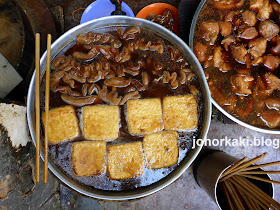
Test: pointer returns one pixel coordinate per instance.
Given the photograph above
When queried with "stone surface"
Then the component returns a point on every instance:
(185, 193)
(44, 196)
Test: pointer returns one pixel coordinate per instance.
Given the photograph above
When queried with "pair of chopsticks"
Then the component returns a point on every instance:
(37, 105)
(240, 192)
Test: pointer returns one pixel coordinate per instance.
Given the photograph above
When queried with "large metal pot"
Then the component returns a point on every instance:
(191, 36)
(64, 41)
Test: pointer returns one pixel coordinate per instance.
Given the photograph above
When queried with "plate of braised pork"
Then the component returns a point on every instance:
(238, 45)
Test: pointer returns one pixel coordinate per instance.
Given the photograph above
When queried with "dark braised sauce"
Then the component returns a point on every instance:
(166, 19)
(245, 81)
(156, 88)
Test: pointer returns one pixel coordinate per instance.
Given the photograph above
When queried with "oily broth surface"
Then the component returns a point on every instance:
(61, 153)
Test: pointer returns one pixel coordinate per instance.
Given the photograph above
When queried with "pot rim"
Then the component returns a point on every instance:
(68, 37)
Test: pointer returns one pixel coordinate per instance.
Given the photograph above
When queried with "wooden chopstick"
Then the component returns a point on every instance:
(260, 178)
(260, 166)
(229, 201)
(241, 192)
(249, 204)
(47, 102)
(258, 172)
(249, 191)
(256, 191)
(229, 170)
(236, 195)
(235, 200)
(255, 205)
(37, 105)
(242, 166)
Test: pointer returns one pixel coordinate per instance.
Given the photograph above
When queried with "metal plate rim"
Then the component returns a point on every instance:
(145, 191)
(236, 120)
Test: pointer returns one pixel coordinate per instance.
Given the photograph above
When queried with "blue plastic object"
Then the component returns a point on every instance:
(102, 8)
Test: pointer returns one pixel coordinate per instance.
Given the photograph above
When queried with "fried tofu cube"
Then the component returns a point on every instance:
(89, 158)
(63, 124)
(101, 122)
(144, 116)
(180, 112)
(125, 160)
(161, 149)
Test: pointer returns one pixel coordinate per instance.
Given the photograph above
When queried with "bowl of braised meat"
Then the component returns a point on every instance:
(127, 100)
(238, 44)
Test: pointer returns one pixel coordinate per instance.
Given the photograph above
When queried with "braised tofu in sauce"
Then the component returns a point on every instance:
(115, 79)
(239, 50)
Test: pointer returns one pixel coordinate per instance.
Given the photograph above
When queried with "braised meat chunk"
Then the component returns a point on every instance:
(209, 31)
(257, 47)
(256, 4)
(227, 41)
(272, 81)
(232, 16)
(217, 58)
(275, 50)
(264, 10)
(227, 4)
(268, 29)
(240, 53)
(248, 33)
(249, 18)
(271, 62)
(240, 84)
(225, 28)
(200, 51)
(276, 7)
(271, 119)
(219, 61)
(273, 103)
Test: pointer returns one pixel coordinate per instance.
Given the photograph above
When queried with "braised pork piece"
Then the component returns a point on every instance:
(114, 66)
(238, 44)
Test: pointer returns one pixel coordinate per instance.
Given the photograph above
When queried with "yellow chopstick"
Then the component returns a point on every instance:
(47, 100)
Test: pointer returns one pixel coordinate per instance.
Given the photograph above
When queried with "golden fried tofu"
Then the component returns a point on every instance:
(89, 158)
(125, 160)
(161, 149)
(63, 124)
(101, 122)
(144, 116)
(180, 112)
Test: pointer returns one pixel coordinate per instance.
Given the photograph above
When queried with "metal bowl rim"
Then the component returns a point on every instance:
(233, 118)
(193, 153)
